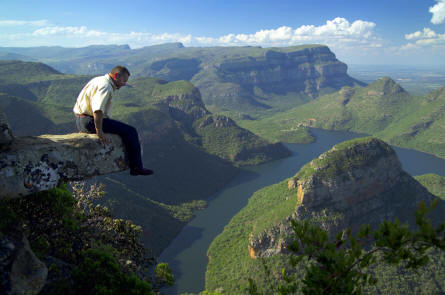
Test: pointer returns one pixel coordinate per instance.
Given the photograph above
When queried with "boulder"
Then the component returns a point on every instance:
(32, 164)
(21, 271)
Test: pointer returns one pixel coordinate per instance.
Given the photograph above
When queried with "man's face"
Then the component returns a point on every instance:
(120, 79)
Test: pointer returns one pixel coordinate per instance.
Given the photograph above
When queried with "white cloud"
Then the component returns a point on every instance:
(342, 36)
(76, 31)
(438, 12)
(425, 38)
(427, 33)
(333, 33)
(16, 23)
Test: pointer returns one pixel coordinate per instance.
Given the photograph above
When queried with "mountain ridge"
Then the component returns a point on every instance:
(344, 187)
(268, 73)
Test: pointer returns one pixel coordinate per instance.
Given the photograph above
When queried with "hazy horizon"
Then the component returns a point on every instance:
(358, 32)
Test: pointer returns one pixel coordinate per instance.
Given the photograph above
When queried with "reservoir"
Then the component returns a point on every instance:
(186, 255)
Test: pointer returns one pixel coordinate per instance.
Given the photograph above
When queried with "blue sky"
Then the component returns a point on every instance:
(410, 32)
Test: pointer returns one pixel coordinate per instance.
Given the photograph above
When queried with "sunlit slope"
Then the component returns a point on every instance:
(326, 192)
(382, 109)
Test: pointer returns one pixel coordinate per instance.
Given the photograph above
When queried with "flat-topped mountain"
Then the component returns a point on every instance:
(235, 79)
(356, 182)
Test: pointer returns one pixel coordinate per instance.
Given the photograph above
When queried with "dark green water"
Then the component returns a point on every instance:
(186, 255)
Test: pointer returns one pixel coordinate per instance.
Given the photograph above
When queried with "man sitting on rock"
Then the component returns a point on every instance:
(93, 112)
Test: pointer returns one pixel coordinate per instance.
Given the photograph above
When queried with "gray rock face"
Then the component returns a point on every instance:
(352, 184)
(32, 164)
(306, 70)
(5, 132)
(21, 271)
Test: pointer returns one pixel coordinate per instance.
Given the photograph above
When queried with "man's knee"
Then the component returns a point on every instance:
(132, 131)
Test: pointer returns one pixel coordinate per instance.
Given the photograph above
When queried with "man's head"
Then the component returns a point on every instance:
(120, 75)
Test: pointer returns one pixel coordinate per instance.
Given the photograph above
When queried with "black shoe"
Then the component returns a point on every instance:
(141, 171)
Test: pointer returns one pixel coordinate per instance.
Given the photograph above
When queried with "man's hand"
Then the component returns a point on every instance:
(98, 118)
(102, 138)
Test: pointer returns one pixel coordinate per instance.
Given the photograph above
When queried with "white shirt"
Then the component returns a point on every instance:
(96, 95)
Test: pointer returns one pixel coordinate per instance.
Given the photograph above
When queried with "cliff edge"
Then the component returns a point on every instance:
(356, 182)
(37, 163)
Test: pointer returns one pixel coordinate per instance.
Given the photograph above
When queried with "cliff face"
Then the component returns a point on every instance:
(307, 70)
(356, 182)
(254, 80)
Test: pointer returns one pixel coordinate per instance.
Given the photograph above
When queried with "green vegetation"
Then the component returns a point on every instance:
(341, 266)
(98, 273)
(229, 263)
(382, 109)
(229, 78)
(166, 115)
(230, 266)
(222, 137)
(434, 183)
(104, 253)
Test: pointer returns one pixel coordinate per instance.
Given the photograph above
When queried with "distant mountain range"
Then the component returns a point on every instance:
(240, 80)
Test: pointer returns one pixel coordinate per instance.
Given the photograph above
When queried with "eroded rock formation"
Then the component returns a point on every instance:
(356, 182)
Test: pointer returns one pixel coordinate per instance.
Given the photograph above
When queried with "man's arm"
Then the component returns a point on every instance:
(98, 120)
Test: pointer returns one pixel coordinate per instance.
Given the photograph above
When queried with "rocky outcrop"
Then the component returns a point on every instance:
(307, 70)
(184, 107)
(32, 164)
(21, 272)
(5, 132)
(356, 182)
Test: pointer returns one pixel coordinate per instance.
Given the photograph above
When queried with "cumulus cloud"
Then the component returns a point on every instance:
(15, 23)
(423, 39)
(438, 12)
(338, 33)
(333, 33)
(426, 33)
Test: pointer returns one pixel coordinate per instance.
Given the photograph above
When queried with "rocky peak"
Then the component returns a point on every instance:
(360, 181)
(331, 179)
(386, 86)
(184, 107)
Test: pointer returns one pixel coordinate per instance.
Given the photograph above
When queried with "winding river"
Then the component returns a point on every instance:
(186, 255)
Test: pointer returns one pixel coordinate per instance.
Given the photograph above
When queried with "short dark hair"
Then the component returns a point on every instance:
(120, 70)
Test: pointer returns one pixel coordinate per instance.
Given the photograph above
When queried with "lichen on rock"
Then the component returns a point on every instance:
(32, 164)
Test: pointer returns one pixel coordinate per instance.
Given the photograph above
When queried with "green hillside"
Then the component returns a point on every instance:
(434, 183)
(247, 80)
(191, 161)
(230, 263)
(382, 109)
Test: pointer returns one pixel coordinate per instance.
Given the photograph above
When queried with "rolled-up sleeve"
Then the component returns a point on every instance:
(99, 98)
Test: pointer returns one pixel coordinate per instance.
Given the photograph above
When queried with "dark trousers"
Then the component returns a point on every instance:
(128, 134)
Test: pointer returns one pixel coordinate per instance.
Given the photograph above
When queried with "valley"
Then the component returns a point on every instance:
(206, 115)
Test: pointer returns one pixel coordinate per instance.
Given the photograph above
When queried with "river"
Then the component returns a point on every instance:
(186, 255)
